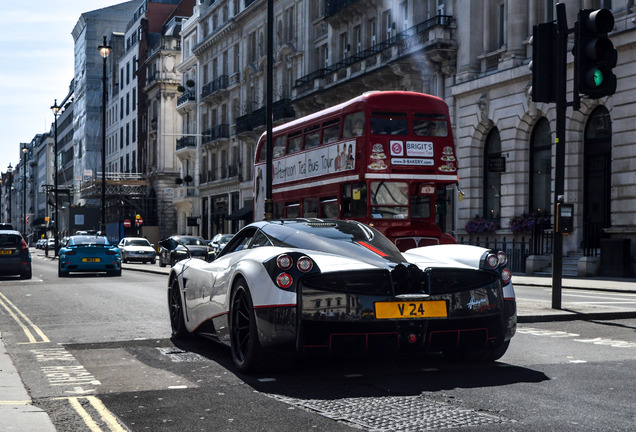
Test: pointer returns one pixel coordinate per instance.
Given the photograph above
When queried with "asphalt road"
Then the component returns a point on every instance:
(95, 353)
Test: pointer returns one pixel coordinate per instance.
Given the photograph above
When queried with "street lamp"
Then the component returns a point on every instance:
(24, 215)
(10, 188)
(104, 51)
(56, 112)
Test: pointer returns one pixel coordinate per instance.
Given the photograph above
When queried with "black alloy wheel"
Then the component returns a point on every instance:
(247, 353)
(175, 308)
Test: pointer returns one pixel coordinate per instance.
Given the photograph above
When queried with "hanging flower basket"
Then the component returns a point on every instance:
(526, 222)
(187, 178)
(180, 88)
(479, 225)
(190, 83)
(178, 180)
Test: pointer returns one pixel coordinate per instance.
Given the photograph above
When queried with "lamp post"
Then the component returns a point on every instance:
(10, 188)
(104, 51)
(56, 111)
(24, 215)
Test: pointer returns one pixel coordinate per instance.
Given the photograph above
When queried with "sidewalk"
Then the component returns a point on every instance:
(17, 413)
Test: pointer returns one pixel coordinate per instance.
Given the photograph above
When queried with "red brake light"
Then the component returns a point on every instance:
(506, 275)
(492, 261)
(305, 264)
(284, 280)
(24, 245)
(284, 262)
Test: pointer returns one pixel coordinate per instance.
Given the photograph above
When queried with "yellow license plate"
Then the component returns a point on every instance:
(412, 309)
(90, 259)
(6, 252)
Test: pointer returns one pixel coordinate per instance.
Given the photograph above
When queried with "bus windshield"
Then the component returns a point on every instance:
(389, 200)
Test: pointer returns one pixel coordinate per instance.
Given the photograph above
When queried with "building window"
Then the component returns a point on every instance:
(540, 167)
(134, 130)
(492, 175)
(134, 98)
(121, 137)
(121, 78)
(128, 73)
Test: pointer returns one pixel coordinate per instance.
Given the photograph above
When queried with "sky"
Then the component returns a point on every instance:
(36, 67)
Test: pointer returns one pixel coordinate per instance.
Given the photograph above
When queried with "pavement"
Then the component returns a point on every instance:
(17, 412)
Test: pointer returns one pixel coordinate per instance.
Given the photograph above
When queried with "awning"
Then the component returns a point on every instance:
(243, 213)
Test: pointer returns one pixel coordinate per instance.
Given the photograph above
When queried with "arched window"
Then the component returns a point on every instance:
(493, 167)
(540, 167)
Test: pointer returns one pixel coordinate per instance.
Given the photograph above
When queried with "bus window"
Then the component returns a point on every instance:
(430, 125)
(329, 207)
(278, 210)
(295, 142)
(279, 146)
(353, 125)
(310, 207)
(312, 136)
(389, 123)
(420, 206)
(331, 131)
(389, 200)
(359, 200)
(292, 210)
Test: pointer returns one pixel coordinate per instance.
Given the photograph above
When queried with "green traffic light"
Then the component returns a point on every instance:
(598, 77)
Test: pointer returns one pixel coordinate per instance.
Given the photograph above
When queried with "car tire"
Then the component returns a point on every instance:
(27, 274)
(153, 262)
(247, 353)
(161, 263)
(173, 261)
(175, 309)
(61, 273)
(115, 273)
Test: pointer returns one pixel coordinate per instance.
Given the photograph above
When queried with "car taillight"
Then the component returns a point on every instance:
(284, 280)
(71, 252)
(492, 261)
(24, 245)
(284, 262)
(506, 275)
(305, 264)
(111, 252)
(502, 258)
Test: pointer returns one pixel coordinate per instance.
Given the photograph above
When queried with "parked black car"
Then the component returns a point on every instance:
(178, 247)
(15, 257)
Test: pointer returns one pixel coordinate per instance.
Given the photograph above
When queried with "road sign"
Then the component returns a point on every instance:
(127, 223)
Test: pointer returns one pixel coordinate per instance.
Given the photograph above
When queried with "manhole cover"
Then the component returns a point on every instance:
(396, 413)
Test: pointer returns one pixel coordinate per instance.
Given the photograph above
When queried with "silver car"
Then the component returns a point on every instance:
(137, 249)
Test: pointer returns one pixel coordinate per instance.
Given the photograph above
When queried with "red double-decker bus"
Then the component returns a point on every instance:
(382, 158)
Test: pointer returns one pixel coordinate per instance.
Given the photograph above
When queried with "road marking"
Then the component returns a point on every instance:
(100, 409)
(561, 334)
(23, 321)
(25, 402)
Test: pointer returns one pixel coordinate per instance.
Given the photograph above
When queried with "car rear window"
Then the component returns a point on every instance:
(10, 240)
(89, 240)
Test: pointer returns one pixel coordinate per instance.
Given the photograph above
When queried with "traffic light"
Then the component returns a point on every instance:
(543, 63)
(594, 54)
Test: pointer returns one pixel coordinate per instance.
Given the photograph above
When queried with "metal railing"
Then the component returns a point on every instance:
(185, 142)
(517, 251)
(215, 85)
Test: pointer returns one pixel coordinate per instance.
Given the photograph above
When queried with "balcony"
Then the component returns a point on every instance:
(217, 132)
(432, 37)
(186, 142)
(332, 7)
(186, 98)
(282, 110)
(214, 87)
(185, 193)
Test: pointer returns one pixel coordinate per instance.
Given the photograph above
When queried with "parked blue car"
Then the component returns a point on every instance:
(89, 254)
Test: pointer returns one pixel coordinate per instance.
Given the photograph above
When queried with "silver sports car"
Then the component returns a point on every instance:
(341, 287)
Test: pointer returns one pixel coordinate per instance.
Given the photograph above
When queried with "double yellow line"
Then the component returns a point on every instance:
(23, 321)
(107, 418)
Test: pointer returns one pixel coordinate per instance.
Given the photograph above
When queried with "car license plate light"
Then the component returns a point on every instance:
(413, 309)
(90, 259)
